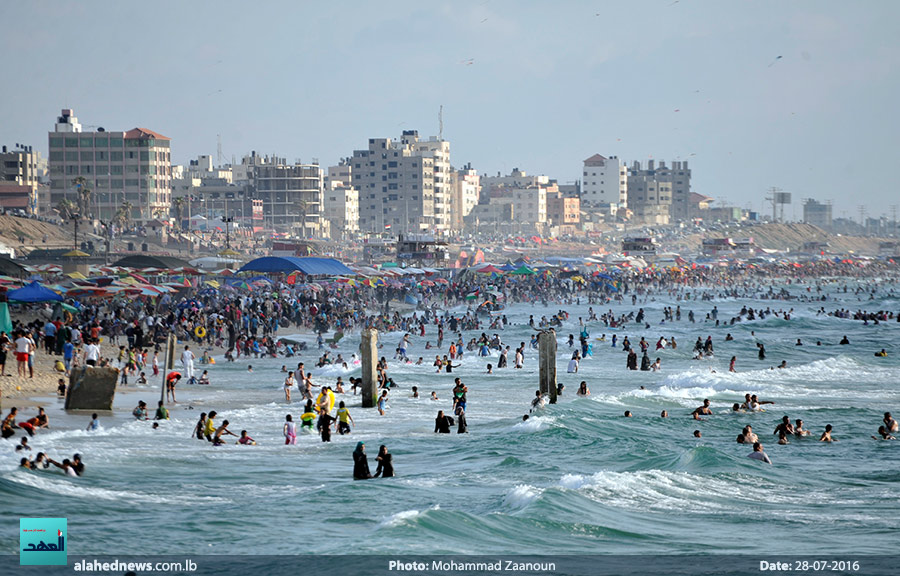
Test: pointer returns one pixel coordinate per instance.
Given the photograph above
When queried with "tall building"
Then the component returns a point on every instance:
(22, 166)
(817, 213)
(341, 210)
(563, 212)
(291, 195)
(133, 166)
(658, 185)
(649, 195)
(403, 186)
(466, 191)
(604, 183)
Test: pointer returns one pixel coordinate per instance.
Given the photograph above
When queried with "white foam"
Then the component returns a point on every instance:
(521, 496)
(400, 518)
(64, 486)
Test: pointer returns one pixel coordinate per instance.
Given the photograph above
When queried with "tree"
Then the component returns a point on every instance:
(66, 209)
(179, 205)
(84, 195)
(123, 216)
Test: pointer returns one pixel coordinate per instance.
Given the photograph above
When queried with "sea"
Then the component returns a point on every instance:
(576, 477)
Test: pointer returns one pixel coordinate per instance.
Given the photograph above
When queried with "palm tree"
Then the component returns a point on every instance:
(84, 195)
(66, 209)
(179, 205)
(123, 216)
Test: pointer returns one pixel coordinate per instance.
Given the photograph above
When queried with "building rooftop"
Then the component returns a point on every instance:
(144, 133)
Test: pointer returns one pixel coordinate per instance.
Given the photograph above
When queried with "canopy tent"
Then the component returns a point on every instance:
(148, 261)
(489, 269)
(309, 265)
(523, 271)
(33, 292)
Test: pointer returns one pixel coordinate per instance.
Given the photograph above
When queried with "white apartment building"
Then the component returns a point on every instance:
(466, 192)
(133, 167)
(604, 182)
(403, 186)
(341, 209)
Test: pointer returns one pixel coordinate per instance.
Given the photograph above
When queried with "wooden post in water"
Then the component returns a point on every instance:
(547, 352)
(368, 352)
(168, 363)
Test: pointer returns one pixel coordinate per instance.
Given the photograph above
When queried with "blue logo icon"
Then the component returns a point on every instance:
(42, 541)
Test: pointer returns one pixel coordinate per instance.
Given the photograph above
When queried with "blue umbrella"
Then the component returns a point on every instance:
(34, 292)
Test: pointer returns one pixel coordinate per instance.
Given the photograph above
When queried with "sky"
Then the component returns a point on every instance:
(799, 95)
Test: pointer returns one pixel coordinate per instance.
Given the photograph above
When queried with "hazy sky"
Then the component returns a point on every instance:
(799, 95)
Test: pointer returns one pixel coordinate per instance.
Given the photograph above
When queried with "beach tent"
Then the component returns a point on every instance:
(5, 322)
(148, 261)
(311, 266)
(489, 269)
(33, 292)
(523, 271)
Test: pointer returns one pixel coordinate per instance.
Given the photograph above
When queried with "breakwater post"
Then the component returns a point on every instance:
(547, 373)
(368, 354)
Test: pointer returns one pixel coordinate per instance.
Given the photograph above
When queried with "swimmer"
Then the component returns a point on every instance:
(664, 414)
(442, 423)
(344, 419)
(94, 424)
(697, 434)
(583, 389)
(245, 439)
(881, 354)
(799, 430)
(826, 435)
(749, 436)
(289, 430)
(628, 414)
(702, 410)
(759, 454)
(538, 401)
(222, 431)
(890, 423)
(785, 427)
(382, 402)
(415, 392)
(161, 412)
(882, 432)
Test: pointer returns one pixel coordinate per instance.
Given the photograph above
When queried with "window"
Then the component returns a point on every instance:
(72, 142)
(145, 155)
(71, 156)
(87, 169)
(56, 155)
(72, 170)
(86, 141)
(101, 142)
(87, 156)
(117, 170)
(115, 155)
(56, 142)
(115, 142)
(115, 183)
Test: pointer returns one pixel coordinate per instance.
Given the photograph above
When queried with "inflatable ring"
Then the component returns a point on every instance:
(200, 332)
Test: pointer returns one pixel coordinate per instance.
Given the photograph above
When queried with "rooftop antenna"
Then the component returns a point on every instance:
(441, 123)
(219, 149)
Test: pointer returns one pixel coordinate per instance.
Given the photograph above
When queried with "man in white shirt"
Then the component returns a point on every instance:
(758, 453)
(187, 360)
(92, 353)
(22, 350)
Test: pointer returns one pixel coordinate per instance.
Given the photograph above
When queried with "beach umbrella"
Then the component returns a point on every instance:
(5, 322)
(33, 292)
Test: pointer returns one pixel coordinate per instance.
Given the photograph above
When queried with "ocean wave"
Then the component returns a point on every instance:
(52, 483)
(400, 518)
(521, 496)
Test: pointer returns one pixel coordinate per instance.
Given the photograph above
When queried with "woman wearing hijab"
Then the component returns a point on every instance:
(360, 463)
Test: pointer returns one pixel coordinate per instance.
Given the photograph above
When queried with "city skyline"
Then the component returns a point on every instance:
(753, 95)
